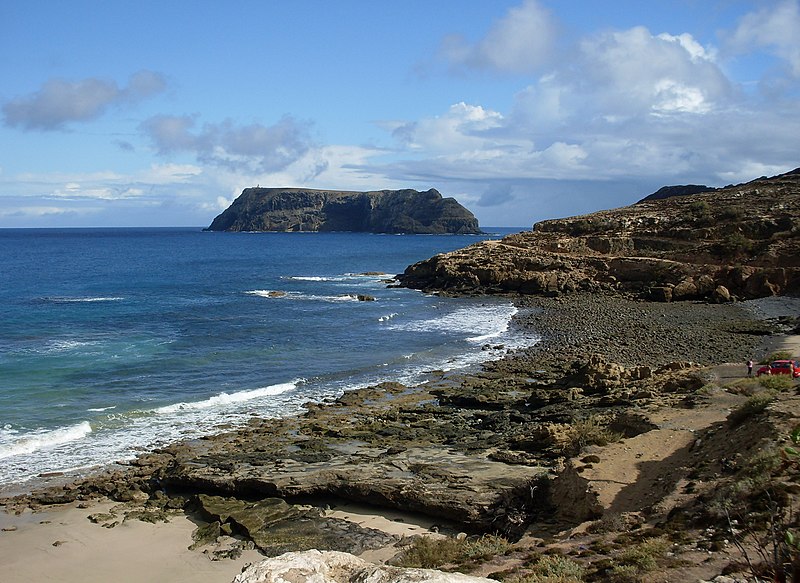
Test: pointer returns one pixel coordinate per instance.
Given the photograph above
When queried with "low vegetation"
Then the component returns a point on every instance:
(431, 553)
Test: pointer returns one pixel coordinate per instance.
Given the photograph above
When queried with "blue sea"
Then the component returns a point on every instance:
(116, 341)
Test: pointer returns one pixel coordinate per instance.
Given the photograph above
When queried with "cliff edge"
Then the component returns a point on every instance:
(740, 242)
(380, 211)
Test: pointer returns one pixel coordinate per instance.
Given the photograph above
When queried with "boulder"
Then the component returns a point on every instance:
(335, 567)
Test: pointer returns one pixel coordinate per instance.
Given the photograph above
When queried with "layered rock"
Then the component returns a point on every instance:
(380, 211)
(737, 242)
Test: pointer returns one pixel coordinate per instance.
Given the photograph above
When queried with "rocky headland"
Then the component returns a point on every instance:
(740, 242)
(379, 211)
(627, 445)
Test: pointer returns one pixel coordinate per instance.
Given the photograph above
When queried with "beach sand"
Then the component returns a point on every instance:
(61, 544)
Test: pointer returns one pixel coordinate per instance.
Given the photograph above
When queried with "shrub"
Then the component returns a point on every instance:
(485, 547)
(752, 406)
(747, 387)
(646, 555)
(553, 569)
(429, 553)
(701, 211)
(590, 431)
(734, 245)
(776, 382)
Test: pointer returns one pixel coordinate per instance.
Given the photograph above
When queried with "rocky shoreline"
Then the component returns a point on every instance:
(480, 453)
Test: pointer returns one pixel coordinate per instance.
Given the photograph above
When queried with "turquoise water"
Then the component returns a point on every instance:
(118, 340)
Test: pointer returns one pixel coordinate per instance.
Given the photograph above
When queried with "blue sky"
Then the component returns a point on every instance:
(155, 113)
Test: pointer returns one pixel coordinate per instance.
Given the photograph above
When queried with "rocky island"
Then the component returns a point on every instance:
(628, 445)
(378, 211)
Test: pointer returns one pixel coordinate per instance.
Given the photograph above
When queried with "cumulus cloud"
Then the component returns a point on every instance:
(251, 148)
(629, 102)
(775, 28)
(60, 102)
(633, 72)
(521, 42)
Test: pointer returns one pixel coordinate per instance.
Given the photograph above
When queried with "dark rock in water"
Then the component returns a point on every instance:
(380, 211)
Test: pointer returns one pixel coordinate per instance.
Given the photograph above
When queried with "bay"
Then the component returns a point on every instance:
(119, 340)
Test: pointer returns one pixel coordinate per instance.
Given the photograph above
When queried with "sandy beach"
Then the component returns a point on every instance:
(62, 545)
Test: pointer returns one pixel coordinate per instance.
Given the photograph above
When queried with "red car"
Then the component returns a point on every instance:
(790, 367)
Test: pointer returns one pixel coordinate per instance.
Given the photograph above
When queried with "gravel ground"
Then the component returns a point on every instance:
(632, 332)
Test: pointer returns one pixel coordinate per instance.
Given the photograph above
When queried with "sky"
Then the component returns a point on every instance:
(153, 113)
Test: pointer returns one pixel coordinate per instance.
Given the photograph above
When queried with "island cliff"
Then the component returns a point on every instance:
(379, 211)
(740, 241)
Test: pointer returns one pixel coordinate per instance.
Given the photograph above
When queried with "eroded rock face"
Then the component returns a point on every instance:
(380, 211)
(739, 242)
(335, 567)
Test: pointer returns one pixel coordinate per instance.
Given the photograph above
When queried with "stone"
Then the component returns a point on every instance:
(721, 294)
(334, 567)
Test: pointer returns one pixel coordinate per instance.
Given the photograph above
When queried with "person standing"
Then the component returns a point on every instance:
(750, 368)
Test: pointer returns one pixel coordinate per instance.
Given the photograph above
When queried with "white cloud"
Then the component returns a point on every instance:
(251, 148)
(774, 27)
(633, 72)
(460, 128)
(60, 102)
(521, 42)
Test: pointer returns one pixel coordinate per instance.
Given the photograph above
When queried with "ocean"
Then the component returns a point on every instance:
(116, 341)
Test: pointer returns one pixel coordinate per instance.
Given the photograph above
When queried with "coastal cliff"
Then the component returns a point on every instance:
(379, 211)
(740, 241)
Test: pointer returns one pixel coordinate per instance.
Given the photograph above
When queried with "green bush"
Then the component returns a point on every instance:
(646, 555)
(552, 569)
(778, 382)
(589, 431)
(429, 552)
(752, 406)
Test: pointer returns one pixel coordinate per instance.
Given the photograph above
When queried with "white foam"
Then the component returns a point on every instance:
(387, 317)
(101, 409)
(66, 300)
(282, 295)
(229, 398)
(488, 321)
(315, 278)
(44, 439)
(267, 293)
(64, 345)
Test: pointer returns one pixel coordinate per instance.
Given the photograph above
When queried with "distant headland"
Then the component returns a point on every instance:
(378, 211)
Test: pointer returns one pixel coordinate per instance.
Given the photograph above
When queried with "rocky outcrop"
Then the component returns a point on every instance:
(737, 242)
(379, 211)
(335, 567)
